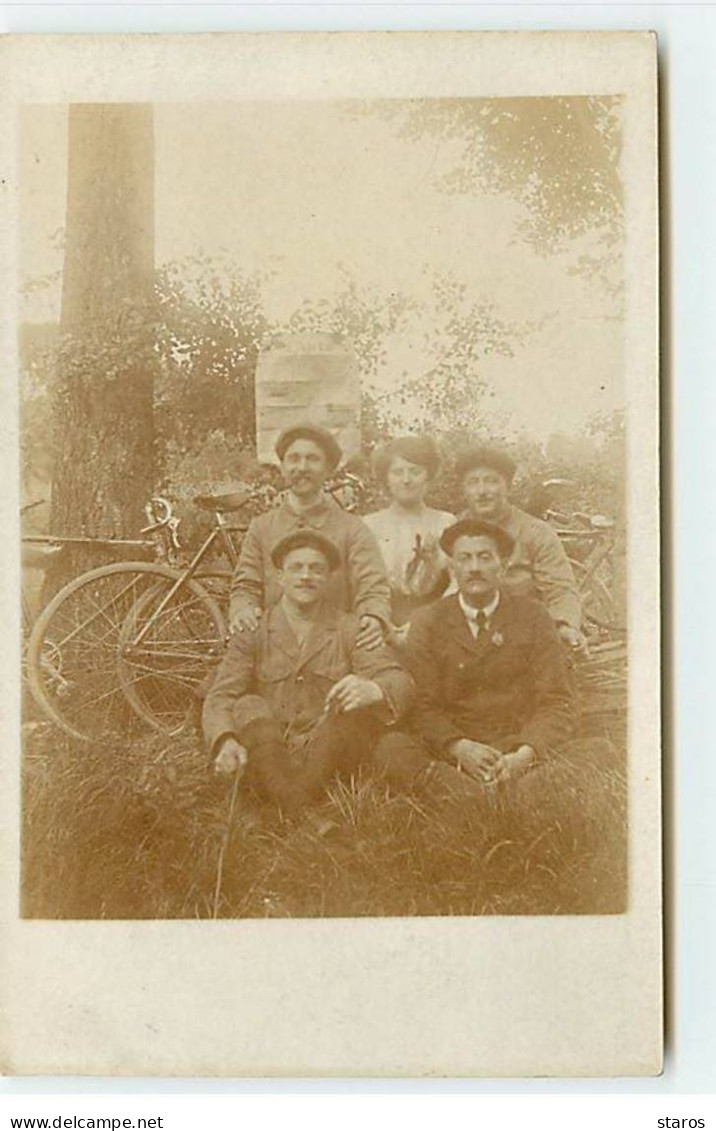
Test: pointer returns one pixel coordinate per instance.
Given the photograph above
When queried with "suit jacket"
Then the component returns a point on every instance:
(360, 586)
(267, 674)
(506, 687)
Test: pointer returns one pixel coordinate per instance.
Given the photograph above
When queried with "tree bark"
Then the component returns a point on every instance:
(102, 411)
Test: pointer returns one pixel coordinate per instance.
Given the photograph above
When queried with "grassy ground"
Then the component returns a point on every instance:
(137, 831)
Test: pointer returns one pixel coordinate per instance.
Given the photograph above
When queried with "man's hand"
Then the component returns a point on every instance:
(475, 758)
(232, 758)
(371, 632)
(515, 763)
(352, 692)
(572, 637)
(244, 618)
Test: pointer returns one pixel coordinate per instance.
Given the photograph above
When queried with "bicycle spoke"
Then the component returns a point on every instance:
(87, 676)
(177, 641)
(100, 611)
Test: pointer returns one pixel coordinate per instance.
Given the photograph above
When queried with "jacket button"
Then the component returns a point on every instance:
(299, 679)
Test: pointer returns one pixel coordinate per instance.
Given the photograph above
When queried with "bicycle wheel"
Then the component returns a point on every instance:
(74, 649)
(168, 647)
(217, 584)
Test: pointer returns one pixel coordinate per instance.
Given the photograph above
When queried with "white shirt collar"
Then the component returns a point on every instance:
(471, 613)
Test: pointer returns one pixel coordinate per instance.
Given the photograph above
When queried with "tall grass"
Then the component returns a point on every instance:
(135, 831)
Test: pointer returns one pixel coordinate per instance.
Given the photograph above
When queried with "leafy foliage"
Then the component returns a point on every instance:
(367, 319)
(209, 336)
(209, 330)
(559, 157)
(449, 393)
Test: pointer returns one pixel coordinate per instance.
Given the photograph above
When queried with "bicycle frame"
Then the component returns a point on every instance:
(603, 545)
(220, 533)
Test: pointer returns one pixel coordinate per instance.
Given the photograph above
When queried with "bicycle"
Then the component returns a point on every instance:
(602, 671)
(594, 536)
(129, 645)
(38, 553)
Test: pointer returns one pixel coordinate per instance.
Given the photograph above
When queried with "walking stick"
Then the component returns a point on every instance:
(225, 841)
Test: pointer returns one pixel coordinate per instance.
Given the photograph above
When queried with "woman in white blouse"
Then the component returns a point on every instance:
(407, 530)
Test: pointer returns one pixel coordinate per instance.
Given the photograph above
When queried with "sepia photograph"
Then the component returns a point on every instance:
(324, 597)
(337, 530)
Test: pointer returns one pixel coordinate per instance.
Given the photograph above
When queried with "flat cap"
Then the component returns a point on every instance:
(482, 456)
(474, 528)
(302, 538)
(321, 436)
(421, 450)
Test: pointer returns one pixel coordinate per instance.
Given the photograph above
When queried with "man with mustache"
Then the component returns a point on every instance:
(538, 566)
(308, 455)
(301, 698)
(493, 694)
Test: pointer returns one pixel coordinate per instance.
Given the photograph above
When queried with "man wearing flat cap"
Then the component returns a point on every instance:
(538, 565)
(308, 455)
(492, 690)
(301, 698)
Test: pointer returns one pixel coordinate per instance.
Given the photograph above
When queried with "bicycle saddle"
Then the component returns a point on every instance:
(224, 502)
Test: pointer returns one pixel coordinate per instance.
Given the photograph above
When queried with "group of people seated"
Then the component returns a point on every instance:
(434, 646)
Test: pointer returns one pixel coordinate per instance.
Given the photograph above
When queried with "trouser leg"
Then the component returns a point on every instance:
(269, 771)
(597, 752)
(339, 744)
(406, 765)
(401, 759)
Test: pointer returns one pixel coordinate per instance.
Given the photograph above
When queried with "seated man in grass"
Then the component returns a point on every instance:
(303, 696)
(493, 694)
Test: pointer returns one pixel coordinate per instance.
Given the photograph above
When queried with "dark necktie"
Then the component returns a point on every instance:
(481, 621)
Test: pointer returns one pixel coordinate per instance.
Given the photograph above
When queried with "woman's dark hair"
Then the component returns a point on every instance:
(421, 450)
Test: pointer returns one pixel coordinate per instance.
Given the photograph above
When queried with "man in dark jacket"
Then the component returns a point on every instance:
(493, 695)
(301, 697)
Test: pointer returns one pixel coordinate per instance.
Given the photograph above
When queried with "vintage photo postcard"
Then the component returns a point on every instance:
(331, 736)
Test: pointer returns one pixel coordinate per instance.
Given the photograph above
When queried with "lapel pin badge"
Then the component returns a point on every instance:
(498, 639)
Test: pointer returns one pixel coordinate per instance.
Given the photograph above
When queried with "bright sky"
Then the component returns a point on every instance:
(321, 196)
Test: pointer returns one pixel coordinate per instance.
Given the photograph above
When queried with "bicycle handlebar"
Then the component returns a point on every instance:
(161, 517)
(159, 512)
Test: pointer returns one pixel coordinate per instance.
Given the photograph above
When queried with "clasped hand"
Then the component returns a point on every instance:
(489, 765)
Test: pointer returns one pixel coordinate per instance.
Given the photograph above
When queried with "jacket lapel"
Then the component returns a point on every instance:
(500, 622)
(484, 642)
(322, 633)
(281, 634)
(456, 624)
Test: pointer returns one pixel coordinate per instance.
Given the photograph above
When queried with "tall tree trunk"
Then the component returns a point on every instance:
(103, 405)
